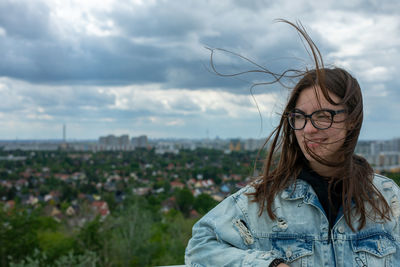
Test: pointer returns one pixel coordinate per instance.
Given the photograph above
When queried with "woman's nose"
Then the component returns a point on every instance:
(309, 128)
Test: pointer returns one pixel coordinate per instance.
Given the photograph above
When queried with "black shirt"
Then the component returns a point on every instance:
(320, 185)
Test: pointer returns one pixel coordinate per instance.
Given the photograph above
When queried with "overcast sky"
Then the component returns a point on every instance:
(142, 67)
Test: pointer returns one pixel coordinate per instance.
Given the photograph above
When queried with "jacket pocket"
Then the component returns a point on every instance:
(373, 249)
(294, 248)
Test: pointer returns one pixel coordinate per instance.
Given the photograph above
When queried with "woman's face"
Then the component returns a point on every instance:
(324, 143)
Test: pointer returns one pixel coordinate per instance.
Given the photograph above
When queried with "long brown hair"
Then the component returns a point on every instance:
(285, 159)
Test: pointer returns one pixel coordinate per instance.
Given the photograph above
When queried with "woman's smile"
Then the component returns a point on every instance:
(314, 143)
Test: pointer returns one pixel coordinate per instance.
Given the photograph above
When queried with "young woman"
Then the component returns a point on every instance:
(317, 203)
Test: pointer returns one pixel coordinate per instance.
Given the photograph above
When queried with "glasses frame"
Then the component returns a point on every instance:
(309, 116)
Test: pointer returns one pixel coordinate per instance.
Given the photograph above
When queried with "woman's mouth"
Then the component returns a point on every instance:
(314, 143)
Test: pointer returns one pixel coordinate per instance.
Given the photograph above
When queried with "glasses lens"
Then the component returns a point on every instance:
(322, 119)
(296, 120)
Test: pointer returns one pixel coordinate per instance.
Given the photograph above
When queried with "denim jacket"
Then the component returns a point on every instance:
(232, 234)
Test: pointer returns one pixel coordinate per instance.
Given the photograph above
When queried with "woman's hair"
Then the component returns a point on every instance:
(285, 159)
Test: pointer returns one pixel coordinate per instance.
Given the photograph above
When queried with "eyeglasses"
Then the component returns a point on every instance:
(321, 119)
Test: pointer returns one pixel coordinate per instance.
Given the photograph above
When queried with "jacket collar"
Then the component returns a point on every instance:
(297, 190)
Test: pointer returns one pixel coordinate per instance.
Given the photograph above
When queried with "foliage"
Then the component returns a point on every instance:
(133, 236)
(38, 259)
(90, 237)
(17, 234)
(129, 233)
(169, 239)
(136, 233)
(54, 244)
(203, 203)
(185, 200)
(394, 176)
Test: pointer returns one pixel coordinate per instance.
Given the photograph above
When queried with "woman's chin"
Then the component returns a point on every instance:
(315, 156)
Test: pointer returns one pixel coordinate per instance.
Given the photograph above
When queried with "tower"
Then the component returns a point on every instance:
(64, 133)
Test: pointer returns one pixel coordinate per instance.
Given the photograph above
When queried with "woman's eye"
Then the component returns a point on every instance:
(322, 117)
(296, 116)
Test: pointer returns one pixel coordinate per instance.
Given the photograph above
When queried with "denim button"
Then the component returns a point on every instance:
(341, 229)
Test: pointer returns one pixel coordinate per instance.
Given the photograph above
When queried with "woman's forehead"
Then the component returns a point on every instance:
(313, 98)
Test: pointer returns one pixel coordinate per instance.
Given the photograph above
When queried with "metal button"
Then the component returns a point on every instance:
(266, 255)
(378, 243)
(289, 253)
(341, 229)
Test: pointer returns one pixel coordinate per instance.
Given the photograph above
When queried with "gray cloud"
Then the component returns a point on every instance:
(173, 36)
(70, 69)
(166, 21)
(25, 20)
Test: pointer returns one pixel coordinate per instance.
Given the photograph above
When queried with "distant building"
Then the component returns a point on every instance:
(253, 144)
(235, 145)
(112, 142)
(364, 148)
(381, 154)
(101, 208)
(389, 159)
(124, 142)
(177, 184)
(109, 141)
(31, 146)
(11, 157)
(166, 147)
(140, 141)
(102, 140)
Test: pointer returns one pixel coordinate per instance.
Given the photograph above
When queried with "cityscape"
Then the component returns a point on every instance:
(383, 155)
(80, 191)
(87, 192)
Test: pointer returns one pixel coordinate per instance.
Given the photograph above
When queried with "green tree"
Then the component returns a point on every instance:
(68, 193)
(203, 203)
(394, 176)
(129, 234)
(90, 236)
(55, 244)
(185, 200)
(169, 239)
(18, 236)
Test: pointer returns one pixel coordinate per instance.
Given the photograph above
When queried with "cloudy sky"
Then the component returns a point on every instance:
(142, 67)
